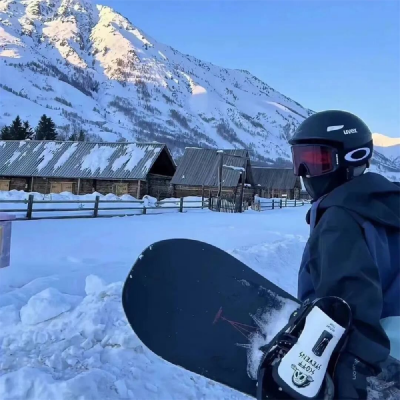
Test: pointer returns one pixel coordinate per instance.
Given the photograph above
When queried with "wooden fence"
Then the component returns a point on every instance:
(95, 208)
(275, 203)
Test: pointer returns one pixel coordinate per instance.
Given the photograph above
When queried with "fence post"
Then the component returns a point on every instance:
(285, 201)
(273, 204)
(144, 209)
(280, 203)
(96, 207)
(202, 197)
(295, 202)
(30, 207)
(181, 205)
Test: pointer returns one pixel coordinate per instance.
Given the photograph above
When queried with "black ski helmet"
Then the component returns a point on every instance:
(342, 131)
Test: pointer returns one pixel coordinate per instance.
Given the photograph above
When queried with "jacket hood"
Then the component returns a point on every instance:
(370, 195)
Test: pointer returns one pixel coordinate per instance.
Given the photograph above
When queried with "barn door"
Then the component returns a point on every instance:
(67, 187)
(5, 185)
(55, 187)
(120, 189)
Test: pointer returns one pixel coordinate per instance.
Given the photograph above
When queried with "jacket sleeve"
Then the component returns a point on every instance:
(341, 265)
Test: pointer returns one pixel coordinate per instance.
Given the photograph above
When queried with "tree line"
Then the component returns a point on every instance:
(45, 130)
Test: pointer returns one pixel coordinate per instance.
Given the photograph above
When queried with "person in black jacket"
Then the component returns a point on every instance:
(353, 251)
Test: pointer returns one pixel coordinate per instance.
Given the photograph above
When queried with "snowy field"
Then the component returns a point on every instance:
(63, 334)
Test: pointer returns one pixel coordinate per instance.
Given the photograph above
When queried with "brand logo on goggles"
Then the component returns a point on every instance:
(350, 131)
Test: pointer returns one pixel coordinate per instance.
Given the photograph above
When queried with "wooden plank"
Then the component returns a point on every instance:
(63, 201)
(119, 208)
(14, 210)
(14, 201)
(35, 210)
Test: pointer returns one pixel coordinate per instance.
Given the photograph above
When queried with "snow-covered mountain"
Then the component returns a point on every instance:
(388, 147)
(88, 67)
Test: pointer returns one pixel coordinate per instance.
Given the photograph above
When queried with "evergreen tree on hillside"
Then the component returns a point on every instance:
(46, 129)
(81, 136)
(73, 137)
(78, 136)
(5, 133)
(17, 131)
(29, 132)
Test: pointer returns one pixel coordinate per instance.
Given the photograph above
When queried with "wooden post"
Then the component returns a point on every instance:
(96, 207)
(285, 201)
(220, 167)
(78, 190)
(138, 191)
(181, 205)
(295, 202)
(31, 189)
(144, 209)
(273, 204)
(202, 197)
(243, 175)
(30, 207)
(280, 203)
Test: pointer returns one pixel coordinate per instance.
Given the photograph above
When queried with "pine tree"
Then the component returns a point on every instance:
(16, 130)
(81, 137)
(5, 133)
(29, 133)
(46, 129)
(78, 136)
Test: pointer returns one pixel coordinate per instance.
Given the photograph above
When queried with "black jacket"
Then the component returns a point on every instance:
(353, 252)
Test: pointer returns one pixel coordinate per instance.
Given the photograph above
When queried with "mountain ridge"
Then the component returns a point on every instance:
(88, 67)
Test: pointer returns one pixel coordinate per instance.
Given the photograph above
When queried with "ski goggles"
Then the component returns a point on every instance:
(314, 160)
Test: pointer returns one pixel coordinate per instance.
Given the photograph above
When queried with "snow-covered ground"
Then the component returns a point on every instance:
(63, 334)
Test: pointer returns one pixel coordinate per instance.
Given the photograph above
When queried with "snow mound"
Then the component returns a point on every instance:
(46, 305)
(89, 352)
(94, 285)
(9, 315)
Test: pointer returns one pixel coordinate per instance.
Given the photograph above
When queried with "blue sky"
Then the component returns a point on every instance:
(323, 54)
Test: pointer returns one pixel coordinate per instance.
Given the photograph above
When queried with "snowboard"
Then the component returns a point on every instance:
(200, 308)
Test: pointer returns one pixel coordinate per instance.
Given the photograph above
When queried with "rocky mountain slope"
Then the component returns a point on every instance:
(88, 67)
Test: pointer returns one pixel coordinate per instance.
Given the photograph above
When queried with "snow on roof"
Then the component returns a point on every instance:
(48, 152)
(234, 168)
(78, 159)
(98, 158)
(66, 155)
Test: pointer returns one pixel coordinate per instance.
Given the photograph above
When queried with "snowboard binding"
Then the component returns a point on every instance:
(297, 362)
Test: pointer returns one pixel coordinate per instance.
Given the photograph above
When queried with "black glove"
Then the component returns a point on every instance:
(350, 377)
